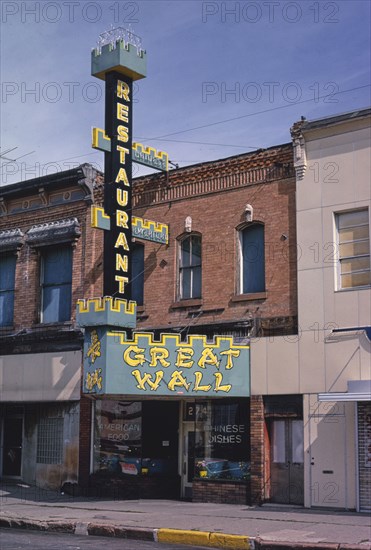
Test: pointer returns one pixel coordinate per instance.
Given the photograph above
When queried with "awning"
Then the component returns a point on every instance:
(358, 390)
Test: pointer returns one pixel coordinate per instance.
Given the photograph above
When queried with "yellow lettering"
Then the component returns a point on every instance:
(123, 152)
(123, 90)
(177, 379)
(122, 176)
(122, 281)
(159, 354)
(208, 357)
(121, 241)
(183, 355)
(122, 219)
(122, 197)
(230, 353)
(197, 386)
(218, 382)
(122, 112)
(137, 359)
(121, 263)
(122, 133)
(147, 379)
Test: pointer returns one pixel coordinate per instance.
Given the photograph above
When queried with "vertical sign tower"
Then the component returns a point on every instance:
(119, 60)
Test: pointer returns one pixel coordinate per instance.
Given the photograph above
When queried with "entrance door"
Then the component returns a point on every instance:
(12, 446)
(328, 461)
(188, 459)
(287, 458)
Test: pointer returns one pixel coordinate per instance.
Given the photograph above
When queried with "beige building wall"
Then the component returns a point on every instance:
(333, 175)
(40, 377)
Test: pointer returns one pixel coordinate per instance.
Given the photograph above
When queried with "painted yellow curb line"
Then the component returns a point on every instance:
(204, 538)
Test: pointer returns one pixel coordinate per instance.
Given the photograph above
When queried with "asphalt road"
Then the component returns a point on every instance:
(11, 539)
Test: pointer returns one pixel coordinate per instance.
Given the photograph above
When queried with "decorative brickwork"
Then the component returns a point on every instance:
(221, 492)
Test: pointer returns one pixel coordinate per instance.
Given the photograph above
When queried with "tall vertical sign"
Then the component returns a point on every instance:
(118, 60)
(117, 192)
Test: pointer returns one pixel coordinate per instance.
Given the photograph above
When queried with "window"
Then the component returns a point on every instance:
(190, 268)
(354, 249)
(50, 441)
(252, 261)
(56, 283)
(135, 437)
(137, 274)
(7, 278)
(220, 440)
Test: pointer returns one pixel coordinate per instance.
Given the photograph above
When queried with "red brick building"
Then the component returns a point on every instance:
(49, 258)
(229, 269)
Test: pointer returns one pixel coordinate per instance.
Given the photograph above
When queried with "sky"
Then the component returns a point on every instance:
(223, 78)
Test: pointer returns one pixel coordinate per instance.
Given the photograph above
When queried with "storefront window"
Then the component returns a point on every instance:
(136, 438)
(222, 449)
(118, 437)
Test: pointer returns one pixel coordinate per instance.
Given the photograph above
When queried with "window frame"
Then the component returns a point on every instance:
(339, 259)
(43, 251)
(191, 267)
(240, 278)
(50, 437)
(11, 290)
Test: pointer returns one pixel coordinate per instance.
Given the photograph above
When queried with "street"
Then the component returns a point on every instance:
(11, 539)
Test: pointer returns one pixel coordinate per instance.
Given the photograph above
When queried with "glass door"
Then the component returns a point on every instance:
(188, 459)
(287, 461)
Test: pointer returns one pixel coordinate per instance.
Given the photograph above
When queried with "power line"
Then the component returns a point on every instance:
(203, 143)
(260, 112)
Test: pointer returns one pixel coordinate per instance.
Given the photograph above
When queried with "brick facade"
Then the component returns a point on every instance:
(221, 492)
(364, 455)
(257, 427)
(214, 195)
(46, 201)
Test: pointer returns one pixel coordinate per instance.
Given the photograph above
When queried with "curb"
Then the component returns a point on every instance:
(208, 539)
(205, 538)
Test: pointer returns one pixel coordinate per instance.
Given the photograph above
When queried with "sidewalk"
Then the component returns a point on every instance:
(212, 525)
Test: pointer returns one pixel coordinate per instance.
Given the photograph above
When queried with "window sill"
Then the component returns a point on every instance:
(193, 302)
(350, 289)
(55, 324)
(249, 297)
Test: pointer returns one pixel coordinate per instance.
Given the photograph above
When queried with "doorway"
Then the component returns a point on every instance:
(188, 459)
(328, 458)
(287, 461)
(12, 446)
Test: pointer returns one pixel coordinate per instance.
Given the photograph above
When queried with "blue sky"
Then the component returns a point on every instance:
(262, 64)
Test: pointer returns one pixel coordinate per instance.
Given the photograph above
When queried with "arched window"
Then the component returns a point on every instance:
(190, 267)
(252, 261)
(137, 274)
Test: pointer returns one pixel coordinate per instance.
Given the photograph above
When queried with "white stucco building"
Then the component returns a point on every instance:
(329, 362)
